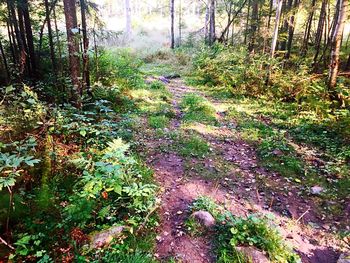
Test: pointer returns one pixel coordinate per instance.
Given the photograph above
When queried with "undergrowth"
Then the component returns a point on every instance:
(231, 232)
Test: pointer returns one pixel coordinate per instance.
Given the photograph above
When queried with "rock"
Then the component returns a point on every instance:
(316, 190)
(204, 218)
(164, 80)
(255, 255)
(277, 152)
(104, 237)
(172, 76)
(344, 258)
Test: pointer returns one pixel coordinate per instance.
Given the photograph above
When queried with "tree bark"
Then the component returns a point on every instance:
(319, 33)
(336, 44)
(49, 30)
(30, 38)
(308, 29)
(291, 28)
(212, 33)
(5, 62)
(206, 23)
(180, 22)
(253, 26)
(172, 32)
(275, 32)
(73, 50)
(86, 69)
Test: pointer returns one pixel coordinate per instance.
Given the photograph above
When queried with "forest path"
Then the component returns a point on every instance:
(231, 176)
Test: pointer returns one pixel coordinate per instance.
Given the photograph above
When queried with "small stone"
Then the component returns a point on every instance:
(316, 190)
(103, 238)
(179, 212)
(344, 258)
(253, 254)
(205, 218)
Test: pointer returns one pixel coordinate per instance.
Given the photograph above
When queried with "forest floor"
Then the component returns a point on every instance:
(200, 153)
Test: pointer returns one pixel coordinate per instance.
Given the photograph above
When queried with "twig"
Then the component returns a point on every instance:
(147, 217)
(271, 203)
(257, 195)
(300, 217)
(6, 244)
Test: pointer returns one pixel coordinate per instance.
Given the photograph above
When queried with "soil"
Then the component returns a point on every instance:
(246, 188)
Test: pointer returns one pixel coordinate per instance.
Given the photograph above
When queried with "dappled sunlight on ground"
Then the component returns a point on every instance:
(230, 173)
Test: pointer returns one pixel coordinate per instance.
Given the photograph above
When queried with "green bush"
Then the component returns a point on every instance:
(118, 67)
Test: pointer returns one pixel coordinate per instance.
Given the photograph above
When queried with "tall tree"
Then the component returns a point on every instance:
(49, 30)
(308, 29)
(86, 70)
(4, 60)
(73, 49)
(172, 18)
(320, 28)
(275, 31)
(291, 28)
(254, 22)
(336, 44)
(212, 33)
(29, 36)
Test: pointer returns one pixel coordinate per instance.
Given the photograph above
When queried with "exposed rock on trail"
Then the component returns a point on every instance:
(246, 188)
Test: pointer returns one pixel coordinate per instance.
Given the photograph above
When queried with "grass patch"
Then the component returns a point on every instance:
(194, 146)
(197, 108)
(157, 85)
(158, 122)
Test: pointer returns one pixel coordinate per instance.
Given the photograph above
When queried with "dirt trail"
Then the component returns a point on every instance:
(245, 189)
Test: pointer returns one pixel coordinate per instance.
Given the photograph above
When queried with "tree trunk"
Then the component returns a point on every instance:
(172, 33)
(230, 22)
(291, 28)
(319, 33)
(347, 66)
(49, 30)
(21, 51)
(73, 49)
(246, 31)
(57, 40)
(275, 32)
(29, 35)
(212, 33)
(12, 47)
(86, 70)
(274, 39)
(254, 26)
(308, 28)
(180, 22)
(336, 44)
(23, 37)
(3, 55)
(284, 30)
(206, 25)
(270, 15)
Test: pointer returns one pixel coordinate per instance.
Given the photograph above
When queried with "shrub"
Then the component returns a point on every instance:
(119, 67)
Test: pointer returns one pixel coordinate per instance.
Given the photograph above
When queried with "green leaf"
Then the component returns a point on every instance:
(83, 133)
(9, 89)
